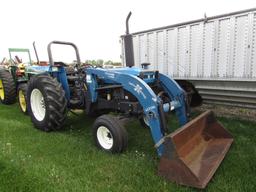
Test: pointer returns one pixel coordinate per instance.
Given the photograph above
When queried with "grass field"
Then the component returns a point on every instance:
(31, 160)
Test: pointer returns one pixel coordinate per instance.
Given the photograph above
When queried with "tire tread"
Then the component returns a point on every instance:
(55, 100)
(9, 87)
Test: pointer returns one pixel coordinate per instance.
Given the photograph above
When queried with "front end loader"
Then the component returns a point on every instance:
(188, 156)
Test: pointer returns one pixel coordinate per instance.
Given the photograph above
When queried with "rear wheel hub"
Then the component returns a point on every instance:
(37, 104)
(22, 101)
(1, 90)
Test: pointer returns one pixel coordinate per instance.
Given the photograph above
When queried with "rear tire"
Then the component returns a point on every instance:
(7, 88)
(109, 134)
(47, 104)
(22, 97)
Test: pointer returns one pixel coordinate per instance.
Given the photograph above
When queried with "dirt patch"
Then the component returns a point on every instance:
(229, 111)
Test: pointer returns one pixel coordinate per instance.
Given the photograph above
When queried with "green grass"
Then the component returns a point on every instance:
(31, 160)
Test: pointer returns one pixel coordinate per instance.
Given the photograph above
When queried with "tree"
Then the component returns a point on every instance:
(109, 62)
(117, 64)
(100, 62)
(88, 62)
(94, 62)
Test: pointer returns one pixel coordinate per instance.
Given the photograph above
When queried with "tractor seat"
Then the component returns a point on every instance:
(59, 63)
(72, 78)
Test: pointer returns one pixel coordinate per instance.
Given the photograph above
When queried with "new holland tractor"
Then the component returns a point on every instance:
(188, 156)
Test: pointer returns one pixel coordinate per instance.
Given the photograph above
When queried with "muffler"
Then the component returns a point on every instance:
(193, 153)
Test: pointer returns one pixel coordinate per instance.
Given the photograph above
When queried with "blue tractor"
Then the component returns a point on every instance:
(188, 156)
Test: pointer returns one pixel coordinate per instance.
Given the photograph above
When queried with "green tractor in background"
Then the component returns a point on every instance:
(13, 79)
(15, 74)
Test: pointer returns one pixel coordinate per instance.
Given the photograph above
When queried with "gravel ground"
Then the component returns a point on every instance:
(228, 111)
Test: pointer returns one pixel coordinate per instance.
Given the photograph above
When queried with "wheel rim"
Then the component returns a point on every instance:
(22, 101)
(105, 137)
(37, 104)
(1, 90)
(146, 121)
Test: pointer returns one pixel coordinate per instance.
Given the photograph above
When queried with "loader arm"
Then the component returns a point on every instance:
(176, 93)
(144, 94)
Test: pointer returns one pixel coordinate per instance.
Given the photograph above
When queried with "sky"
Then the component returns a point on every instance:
(95, 26)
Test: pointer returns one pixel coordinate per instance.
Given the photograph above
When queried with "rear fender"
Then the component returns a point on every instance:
(60, 74)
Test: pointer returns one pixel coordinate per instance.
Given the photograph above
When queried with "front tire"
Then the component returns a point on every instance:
(7, 88)
(47, 104)
(109, 135)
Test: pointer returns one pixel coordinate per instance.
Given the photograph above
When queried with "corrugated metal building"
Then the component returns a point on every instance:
(216, 54)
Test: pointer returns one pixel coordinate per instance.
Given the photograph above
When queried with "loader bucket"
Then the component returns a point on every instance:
(193, 153)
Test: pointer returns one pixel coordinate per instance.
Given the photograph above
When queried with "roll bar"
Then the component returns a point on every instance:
(49, 49)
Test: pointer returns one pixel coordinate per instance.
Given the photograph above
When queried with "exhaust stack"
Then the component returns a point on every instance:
(128, 45)
(37, 58)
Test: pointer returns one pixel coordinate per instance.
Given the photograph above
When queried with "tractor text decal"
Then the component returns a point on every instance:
(138, 89)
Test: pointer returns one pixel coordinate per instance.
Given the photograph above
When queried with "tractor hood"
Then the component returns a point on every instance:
(109, 74)
(127, 70)
(37, 69)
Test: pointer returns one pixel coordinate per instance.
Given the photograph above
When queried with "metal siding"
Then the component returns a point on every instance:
(171, 54)
(240, 46)
(214, 66)
(122, 56)
(253, 56)
(223, 47)
(200, 65)
(220, 48)
(232, 42)
(195, 50)
(217, 55)
(182, 51)
(160, 52)
(208, 49)
(248, 63)
(228, 92)
(136, 51)
(151, 50)
(142, 49)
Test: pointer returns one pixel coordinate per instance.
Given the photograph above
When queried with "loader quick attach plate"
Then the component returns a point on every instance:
(193, 153)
